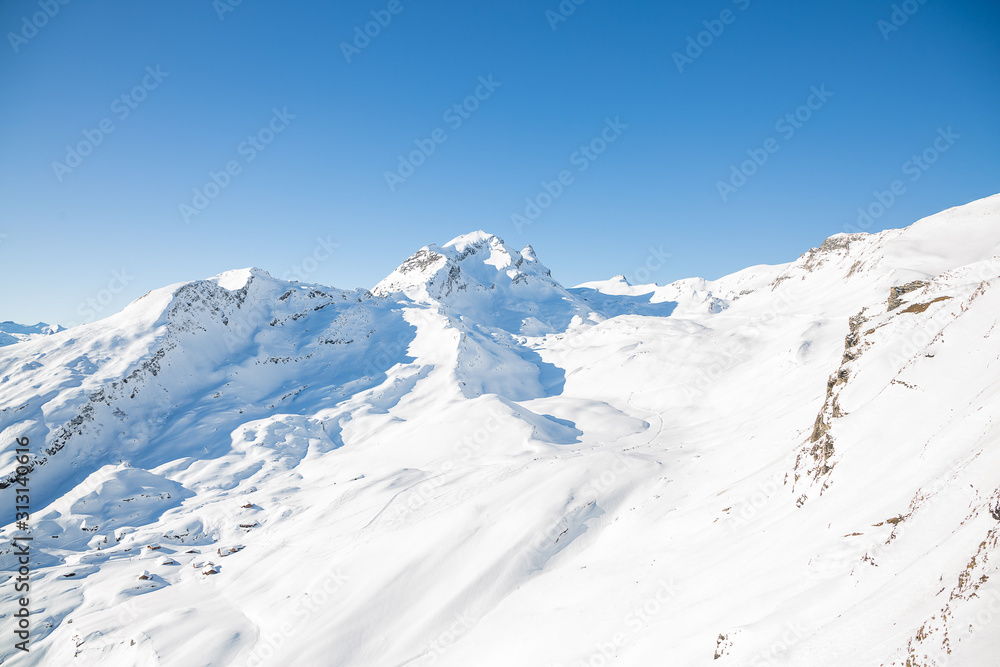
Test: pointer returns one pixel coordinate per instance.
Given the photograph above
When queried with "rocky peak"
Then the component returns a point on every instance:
(474, 262)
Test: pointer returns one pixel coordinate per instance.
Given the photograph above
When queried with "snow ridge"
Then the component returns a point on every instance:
(790, 465)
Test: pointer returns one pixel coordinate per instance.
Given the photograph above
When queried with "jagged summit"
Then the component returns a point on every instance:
(480, 279)
(474, 262)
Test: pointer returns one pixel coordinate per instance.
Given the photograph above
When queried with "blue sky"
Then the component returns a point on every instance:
(309, 129)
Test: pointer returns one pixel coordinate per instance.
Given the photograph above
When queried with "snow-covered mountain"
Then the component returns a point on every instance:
(474, 465)
(12, 332)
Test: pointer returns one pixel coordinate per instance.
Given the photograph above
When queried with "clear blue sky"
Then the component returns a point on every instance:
(323, 175)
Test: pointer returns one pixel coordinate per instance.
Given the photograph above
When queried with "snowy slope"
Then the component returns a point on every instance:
(473, 465)
(12, 332)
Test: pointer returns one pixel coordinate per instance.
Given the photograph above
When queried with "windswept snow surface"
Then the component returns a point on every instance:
(473, 465)
(12, 332)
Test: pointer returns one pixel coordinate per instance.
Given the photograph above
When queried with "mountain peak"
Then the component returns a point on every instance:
(478, 237)
(478, 261)
(238, 278)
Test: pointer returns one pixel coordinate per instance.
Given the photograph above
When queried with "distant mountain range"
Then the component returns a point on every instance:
(12, 332)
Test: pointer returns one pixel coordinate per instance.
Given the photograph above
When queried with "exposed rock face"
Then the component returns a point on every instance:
(895, 294)
(420, 261)
(816, 459)
(839, 244)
